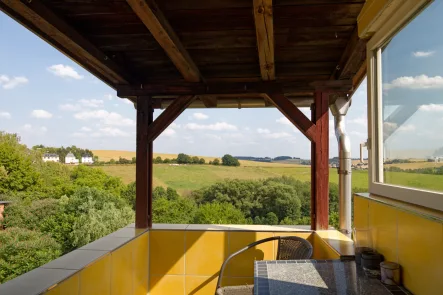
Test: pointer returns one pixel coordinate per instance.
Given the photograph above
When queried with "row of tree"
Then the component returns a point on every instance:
(63, 151)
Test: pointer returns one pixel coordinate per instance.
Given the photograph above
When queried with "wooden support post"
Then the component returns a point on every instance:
(320, 163)
(143, 199)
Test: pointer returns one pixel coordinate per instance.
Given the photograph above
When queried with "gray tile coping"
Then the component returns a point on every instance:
(107, 243)
(231, 227)
(35, 282)
(316, 277)
(76, 259)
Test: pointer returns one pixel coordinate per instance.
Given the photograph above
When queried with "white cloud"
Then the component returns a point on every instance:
(41, 114)
(107, 118)
(65, 72)
(277, 135)
(91, 103)
(407, 127)
(359, 120)
(284, 121)
(213, 136)
(431, 108)
(216, 127)
(127, 101)
(69, 107)
(169, 132)
(200, 116)
(263, 131)
(5, 115)
(86, 129)
(34, 130)
(423, 53)
(10, 83)
(79, 134)
(175, 125)
(110, 132)
(108, 96)
(417, 82)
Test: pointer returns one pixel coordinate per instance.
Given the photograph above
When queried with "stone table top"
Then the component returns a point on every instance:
(284, 277)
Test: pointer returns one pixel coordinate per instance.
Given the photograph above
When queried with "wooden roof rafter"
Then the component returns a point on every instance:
(265, 37)
(152, 17)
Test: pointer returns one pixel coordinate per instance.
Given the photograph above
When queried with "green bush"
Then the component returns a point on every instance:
(219, 213)
(22, 250)
(229, 160)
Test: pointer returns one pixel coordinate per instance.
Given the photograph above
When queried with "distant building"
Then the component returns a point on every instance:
(48, 157)
(87, 159)
(71, 159)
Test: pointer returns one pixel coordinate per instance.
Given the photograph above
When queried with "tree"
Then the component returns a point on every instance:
(195, 160)
(112, 161)
(180, 211)
(201, 161)
(183, 159)
(158, 160)
(17, 172)
(123, 161)
(216, 162)
(219, 213)
(133, 160)
(22, 250)
(210, 163)
(229, 160)
(84, 176)
(167, 161)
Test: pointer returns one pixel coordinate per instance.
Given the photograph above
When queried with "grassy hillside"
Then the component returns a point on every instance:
(106, 155)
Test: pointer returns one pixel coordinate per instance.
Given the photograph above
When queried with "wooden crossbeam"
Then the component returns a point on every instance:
(152, 17)
(210, 101)
(264, 29)
(49, 26)
(294, 115)
(232, 88)
(168, 116)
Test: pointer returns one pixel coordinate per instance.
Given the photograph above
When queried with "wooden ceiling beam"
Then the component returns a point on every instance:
(49, 26)
(294, 115)
(210, 101)
(168, 116)
(343, 86)
(152, 17)
(264, 28)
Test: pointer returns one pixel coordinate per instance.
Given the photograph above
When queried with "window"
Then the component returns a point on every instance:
(406, 106)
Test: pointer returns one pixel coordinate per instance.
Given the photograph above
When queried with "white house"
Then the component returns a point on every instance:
(70, 159)
(48, 157)
(87, 159)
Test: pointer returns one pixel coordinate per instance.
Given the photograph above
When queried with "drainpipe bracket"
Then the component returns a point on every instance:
(345, 172)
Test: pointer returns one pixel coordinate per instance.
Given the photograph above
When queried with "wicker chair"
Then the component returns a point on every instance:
(289, 248)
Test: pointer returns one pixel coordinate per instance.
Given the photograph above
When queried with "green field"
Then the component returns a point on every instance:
(187, 178)
(192, 177)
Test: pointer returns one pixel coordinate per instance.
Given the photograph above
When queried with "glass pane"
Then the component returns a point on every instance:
(412, 103)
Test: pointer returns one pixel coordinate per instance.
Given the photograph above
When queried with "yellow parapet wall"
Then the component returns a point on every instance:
(406, 234)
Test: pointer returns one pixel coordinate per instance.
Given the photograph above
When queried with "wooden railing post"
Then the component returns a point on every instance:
(143, 199)
(320, 163)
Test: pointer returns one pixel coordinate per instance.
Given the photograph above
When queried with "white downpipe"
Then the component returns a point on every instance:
(339, 110)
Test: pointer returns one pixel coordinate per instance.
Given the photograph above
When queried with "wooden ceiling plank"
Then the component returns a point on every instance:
(210, 101)
(52, 28)
(158, 25)
(265, 37)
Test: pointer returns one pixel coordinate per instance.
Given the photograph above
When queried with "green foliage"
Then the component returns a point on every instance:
(84, 176)
(22, 250)
(29, 215)
(16, 170)
(123, 161)
(201, 161)
(158, 160)
(229, 160)
(216, 162)
(184, 159)
(179, 211)
(219, 213)
(167, 161)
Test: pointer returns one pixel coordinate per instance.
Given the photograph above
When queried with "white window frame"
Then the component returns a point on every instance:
(434, 200)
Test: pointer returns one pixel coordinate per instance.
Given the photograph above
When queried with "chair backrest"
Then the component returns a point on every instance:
(290, 248)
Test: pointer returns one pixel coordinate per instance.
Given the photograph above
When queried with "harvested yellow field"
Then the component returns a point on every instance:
(415, 165)
(106, 155)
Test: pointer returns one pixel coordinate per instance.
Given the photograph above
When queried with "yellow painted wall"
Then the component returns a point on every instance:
(188, 262)
(416, 243)
(123, 271)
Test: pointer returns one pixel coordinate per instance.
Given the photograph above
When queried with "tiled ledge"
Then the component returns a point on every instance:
(430, 214)
(43, 278)
(232, 227)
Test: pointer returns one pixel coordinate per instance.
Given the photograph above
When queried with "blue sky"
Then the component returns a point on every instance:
(48, 99)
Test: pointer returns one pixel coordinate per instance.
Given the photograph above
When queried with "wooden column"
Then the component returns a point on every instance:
(320, 163)
(143, 174)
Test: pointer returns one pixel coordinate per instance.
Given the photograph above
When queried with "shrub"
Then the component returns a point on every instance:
(219, 213)
(229, 160)
(22, 250)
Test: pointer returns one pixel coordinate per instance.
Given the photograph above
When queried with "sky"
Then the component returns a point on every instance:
(48, 99)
